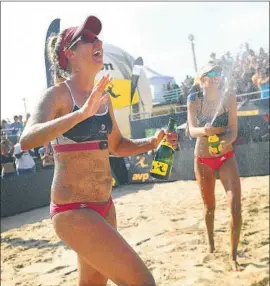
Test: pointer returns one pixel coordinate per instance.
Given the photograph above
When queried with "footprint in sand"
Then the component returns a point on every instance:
(207, 258)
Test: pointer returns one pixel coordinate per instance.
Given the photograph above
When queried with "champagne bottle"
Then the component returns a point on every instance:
(214, 144)
(163, 161)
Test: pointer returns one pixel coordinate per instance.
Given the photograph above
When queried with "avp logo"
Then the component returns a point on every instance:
(108, 67)
(141, 162)
(111, 92)
(142, 177)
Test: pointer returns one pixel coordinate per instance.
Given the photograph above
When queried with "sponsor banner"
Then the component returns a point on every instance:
(140, 166)
(54, 28)
(139, 169)
(119, 90)
(248, 112)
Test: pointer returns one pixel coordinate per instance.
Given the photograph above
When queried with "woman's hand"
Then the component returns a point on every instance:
(209, 130)
(171, 138)
(97, 98)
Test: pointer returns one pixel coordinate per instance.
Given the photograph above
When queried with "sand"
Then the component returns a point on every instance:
(164, 223)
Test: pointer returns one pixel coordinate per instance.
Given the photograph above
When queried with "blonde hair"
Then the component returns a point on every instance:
(53, 51)
(198, 80)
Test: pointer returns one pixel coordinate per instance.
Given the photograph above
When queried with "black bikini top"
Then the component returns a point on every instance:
(96, 127)
(221, 120)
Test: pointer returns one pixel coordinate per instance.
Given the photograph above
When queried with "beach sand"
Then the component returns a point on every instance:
(164, 223)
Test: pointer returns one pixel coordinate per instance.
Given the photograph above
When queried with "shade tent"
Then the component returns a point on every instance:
(159, 84)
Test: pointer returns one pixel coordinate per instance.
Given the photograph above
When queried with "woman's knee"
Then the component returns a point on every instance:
(146, 279)
(209, 200)
(209, 209)
(149, 281)
(236, 213)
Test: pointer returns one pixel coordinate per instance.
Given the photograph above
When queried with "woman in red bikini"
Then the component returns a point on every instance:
(78, 119)
(212, 111)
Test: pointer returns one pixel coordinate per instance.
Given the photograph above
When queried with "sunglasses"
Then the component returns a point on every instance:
(86, 37)
(213, 74)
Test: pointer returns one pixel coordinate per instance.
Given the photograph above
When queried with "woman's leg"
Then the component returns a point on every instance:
(99, 246)
(206, 179)
(230, 178)
(87, 274)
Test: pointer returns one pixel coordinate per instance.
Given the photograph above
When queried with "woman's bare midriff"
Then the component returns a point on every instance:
(201, 147)
(81, 176)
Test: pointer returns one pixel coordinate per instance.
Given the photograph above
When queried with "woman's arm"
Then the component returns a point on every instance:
(42, 126)
(194, 130)
(233, 122)
(123, 147)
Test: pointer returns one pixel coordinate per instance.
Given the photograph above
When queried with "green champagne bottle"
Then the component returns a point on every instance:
(163, 161)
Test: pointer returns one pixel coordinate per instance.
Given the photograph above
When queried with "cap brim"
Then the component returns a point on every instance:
(92, 24)
(209, 67)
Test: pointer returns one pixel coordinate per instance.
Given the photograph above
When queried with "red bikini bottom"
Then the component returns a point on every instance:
(215, 162)
(101, 209)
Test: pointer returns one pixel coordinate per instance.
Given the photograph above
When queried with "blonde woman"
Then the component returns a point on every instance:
(212, 111)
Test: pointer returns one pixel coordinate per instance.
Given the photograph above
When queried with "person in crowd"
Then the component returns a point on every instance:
(16, 124)
(261, 79)
(17, 127)
(24, 160)
(247, 52)
(213, 58)
(20, 118)
(8, 168)
(46, 156)
(4, 124)
(263, 56)
(246, 77)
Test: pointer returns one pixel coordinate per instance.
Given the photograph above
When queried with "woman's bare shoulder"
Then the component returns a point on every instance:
(55, 101)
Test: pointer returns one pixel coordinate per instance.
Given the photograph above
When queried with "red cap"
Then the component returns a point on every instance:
(91, 24)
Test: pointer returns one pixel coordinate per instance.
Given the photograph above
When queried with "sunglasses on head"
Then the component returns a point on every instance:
(87, 37)
(213, 74)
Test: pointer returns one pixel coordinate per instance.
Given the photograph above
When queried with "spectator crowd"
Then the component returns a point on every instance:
(14, 161)
(247, 72)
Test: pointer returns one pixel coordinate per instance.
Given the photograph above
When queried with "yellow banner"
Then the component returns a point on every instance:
(248, 112)
(119, 90)
(159, 168)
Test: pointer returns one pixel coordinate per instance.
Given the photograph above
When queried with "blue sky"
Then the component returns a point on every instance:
(156, 31)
